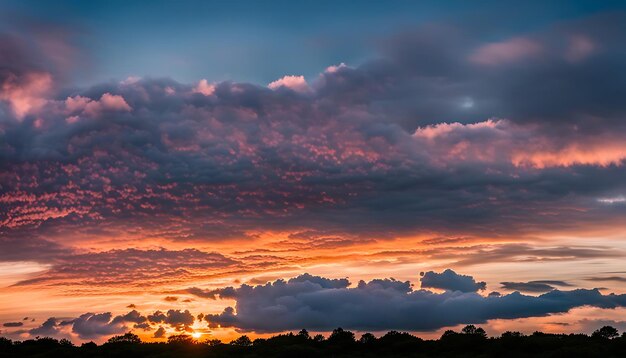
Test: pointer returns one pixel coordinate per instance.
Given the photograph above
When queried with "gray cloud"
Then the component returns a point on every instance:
(159, 333)
(48, 328)
(176, 318)
(451, 281)
(534, 286)
(12, 324)
(607, 278)
(344, 158)
(92, 325)
(386, 304)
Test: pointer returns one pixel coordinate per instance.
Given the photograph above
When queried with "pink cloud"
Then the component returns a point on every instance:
(522, 146)
(295, 83)
(335, 68)
(580, 47)
(26, 94)
(508, 51)
(205, 88)
(107, 103)
(434, 131)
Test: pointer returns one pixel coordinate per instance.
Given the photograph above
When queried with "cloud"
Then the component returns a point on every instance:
(607, 278)
(79, 105)
(203, 87)
(386, 304)
(451, 281)
(159, 333)
(139, 267)
(294, 83)
(91, 325)
(175, 318)
(511, 50)
(533, 286)
(48, 328)
(12, 324)
(27, 93)
(377, 150)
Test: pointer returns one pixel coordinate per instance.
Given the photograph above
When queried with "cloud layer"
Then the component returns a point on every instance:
(430, 133)
(319, 303)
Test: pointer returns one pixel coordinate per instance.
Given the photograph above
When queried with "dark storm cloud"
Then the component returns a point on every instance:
(451, 281)
(386, 304)
(370, 149)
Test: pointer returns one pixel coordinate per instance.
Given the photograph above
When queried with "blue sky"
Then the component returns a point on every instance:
(259, 41)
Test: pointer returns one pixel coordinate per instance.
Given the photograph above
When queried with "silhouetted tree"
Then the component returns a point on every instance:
(511, 334)
(243, 341)
(606, 332)
(5, 343)
(89, 345)
(341, 336)
(470, 342)
(125, 338)
(367, 338)
(319, 338)
(180, 339)
(213, 342)
(448, 333)
(304, 334)
(475, 331)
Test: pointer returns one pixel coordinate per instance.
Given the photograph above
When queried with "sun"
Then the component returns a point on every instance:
(196, 335)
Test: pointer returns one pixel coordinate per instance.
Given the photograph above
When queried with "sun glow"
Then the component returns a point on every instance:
(196, 335)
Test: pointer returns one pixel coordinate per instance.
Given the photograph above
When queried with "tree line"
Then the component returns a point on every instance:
(471, 341)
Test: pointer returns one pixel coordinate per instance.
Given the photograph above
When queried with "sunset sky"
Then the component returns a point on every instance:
(231, 167)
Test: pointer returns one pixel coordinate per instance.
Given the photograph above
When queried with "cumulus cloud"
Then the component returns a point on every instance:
(175, 318)
(294, 83)
(91, 325)
(85, 106)
(49, 328)
(321, 304)
(203, 87)
(451, 281)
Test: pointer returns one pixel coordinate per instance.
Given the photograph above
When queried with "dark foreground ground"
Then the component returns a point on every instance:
(471, 342)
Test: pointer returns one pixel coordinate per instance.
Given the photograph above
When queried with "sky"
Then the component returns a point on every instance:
(226, 168)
